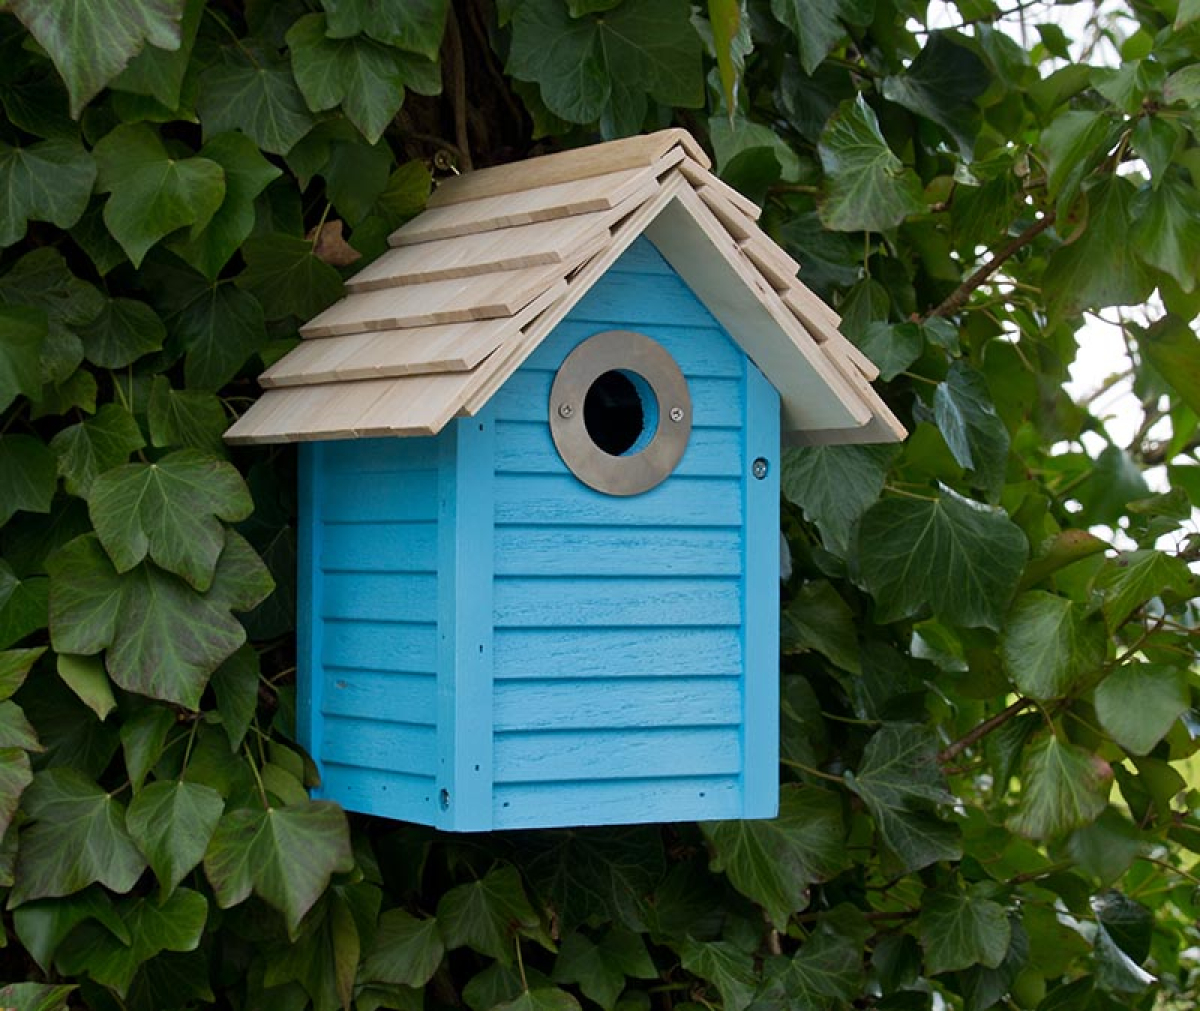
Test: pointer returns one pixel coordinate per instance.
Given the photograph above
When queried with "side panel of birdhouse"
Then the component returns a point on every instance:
(635, 642)
(369, 587)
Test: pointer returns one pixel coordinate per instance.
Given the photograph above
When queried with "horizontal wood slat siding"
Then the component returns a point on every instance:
(616, 703)
(380, 646)
(523, 805)
(560, 500)
(617, 652)
(608, 603)
(377, 744)
(386, 794)
(380, 547)
(616, 551)
(398, 698)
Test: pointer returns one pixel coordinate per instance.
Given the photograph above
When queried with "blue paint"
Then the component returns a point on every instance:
(492, 644)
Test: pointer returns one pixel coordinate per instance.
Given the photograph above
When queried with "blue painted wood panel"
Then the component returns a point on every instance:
(616, 703)
(576, 652)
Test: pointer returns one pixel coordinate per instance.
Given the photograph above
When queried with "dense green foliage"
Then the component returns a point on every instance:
(989, 634)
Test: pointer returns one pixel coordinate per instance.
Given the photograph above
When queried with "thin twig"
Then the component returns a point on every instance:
(977, 734)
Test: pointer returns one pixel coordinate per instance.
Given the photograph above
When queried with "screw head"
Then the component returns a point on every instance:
(565, 410)
(759, 468)
(676, 413)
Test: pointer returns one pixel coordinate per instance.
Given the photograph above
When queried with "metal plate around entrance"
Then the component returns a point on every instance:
(628, 352)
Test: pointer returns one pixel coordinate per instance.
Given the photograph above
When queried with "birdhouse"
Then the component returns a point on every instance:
(539, 466)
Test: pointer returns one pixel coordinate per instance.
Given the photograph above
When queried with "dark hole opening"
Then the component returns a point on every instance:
(613, 413)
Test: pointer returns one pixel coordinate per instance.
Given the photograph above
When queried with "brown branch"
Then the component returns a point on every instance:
(958, 298)
(458, 68)
(977, 734)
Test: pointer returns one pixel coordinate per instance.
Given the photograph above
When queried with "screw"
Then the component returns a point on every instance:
(759, 468)
(676, 413)
(565, 410)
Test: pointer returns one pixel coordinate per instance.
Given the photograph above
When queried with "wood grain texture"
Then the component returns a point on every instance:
(699, 176)
(665, 650)
(379, 744)
(618, 802)
(384, 794)
(396, 698)
(408, 648)
(538, 603)
(565, 166)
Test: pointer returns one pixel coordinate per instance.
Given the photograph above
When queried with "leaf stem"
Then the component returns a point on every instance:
(520, 963)
(811, 771)
(262, 790)
(977, 734)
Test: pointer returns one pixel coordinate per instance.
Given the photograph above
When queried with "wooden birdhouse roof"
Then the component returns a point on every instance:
(436, 325)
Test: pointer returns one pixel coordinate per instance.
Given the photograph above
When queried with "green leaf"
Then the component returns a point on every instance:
(153, 194)
(1114, 481)
(1107, 847)
(363, 76)
(826, 972)
(900, 781)
(247, 174)
(91, 41)
(725, 17)
(258, 98)
(171, 511)
(163, 638)
(407, 950)
(959, 558)
(959, 929)
(95, 445)
(286, 276)
(893, 347)
(123, 331)
(37, 996)
(172, 823)
(77, 836)
(541, 999)
(85, 676)
(967, 419)
(835, 485)
(174, 924)
(774, 862)
(15, 775)
(27, 476)
(415, 26)
(1063, 787)
(942, 84)
(24, 607)
(15, 730)
(160, 72)
(1074, 144)
(1138, 703)
(726, 966)
(817, 24)
(486, 914)
(1129, 580)
(1166, 230)
(1174, 351)
(235, 683)
(284, 855)
(14, 663)
(867, 186)
(185, 418)
(43, 925)
(818, 618)
(601, 968)
(143, 740)
(1099, 268)
(23, 331)
(1051, 644)
(50, 181)
(610, 63)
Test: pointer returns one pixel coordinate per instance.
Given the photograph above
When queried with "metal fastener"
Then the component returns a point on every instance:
(759, 468)
(676, 413)
(565, 410)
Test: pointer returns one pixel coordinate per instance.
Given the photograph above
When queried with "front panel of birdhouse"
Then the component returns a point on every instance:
(494, 642)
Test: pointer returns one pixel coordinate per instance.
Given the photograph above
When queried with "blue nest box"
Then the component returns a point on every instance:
(540, 461)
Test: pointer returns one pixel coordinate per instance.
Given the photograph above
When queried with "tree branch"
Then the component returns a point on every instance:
(458, 68)
(977, 734)
(958, 298)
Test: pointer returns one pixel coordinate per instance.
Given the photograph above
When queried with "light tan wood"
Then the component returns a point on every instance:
(533, 245)
(821, 321)
(813, 392)
(579, 163)
(450, 347)
(772, 262)
(698, 175)
(416, 405)
(734, 221)
(307, 412)
(548, 203)
(881, 428)
(837, 344)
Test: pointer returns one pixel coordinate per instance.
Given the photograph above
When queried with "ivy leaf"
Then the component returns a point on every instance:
(818, 618)
(1074, 144)
(1166, 231)
(835, 485)
(1129, 580)
(601, 968)
(23, 330)
(37, 996)
(159, 72)
(967, 419)
(285, 855)
(143, 739)
(91, 447)
(260, 99)
(50, 181)
(541, 999)
(15, 729)
(124, 330)
(775, 861)
(91, 41)
(235, 683)
(1050, 644)
(153, 194)
(1172, 348)
(899, 780)
(1099, 268)
(285, 275)
(415, 26)
(27, 476)
(867, 186)
(959, 929)
(1139, 702)
(14, 663)
(407, 950)
(725, 965)
(15, 776)
(172, 823)
(816, 24)
(485, 914)
(220, 326)
(171, 511)
(1063, 787)
(588, 66)
(247, 174)
(826, 972)
(363, 76)
(959, 558)
(188, 418)
(942, 84)
(77, 836)
(893, 347)
(85, 676)
(163, 638)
